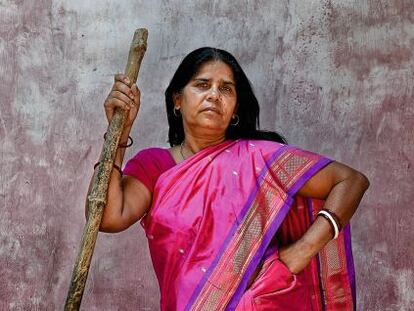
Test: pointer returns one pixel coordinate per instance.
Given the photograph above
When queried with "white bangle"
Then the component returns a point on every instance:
(329, 217)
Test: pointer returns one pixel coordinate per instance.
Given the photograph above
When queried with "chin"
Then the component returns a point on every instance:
(214, 126)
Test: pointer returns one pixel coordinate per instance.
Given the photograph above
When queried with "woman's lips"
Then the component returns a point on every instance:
(211, 109)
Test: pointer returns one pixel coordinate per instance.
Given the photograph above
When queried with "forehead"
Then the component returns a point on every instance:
(215, 69)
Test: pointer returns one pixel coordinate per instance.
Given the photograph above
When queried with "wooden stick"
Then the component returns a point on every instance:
(97, 197)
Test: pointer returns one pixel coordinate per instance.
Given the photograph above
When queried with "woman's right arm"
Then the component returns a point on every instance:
(128, 199)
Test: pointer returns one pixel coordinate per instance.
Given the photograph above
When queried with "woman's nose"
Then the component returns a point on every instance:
(213, 94)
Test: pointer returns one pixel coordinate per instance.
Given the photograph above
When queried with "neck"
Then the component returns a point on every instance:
(195, 144)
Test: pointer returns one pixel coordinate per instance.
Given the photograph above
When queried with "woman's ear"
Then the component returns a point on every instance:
(177, 100)
(236, 108)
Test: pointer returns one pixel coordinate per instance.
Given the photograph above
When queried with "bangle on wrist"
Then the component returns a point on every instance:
(335, 217)
(333, 221)
(114, 166)
(129, 142)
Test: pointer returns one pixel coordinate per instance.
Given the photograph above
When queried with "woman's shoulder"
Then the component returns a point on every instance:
(152, 152)
(264, 145)
(258, 148)
(158, 156)
(148, 164)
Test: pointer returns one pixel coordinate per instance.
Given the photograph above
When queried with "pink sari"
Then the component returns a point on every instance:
(220, 215)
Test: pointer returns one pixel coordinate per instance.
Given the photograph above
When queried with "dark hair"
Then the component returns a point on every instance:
(247, 104)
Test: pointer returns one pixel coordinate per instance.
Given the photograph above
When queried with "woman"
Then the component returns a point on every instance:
(235, 218)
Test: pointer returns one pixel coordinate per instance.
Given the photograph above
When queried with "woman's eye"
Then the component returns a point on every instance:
(202, 85)
(226, 89)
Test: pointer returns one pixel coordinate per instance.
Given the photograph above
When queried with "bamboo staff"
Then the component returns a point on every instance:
(97, 197)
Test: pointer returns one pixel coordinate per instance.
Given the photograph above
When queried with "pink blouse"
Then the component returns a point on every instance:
(148, 164)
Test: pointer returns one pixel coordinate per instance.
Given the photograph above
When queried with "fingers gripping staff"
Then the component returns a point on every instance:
(97, 197)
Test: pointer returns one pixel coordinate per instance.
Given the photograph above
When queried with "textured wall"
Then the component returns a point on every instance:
(334, 76)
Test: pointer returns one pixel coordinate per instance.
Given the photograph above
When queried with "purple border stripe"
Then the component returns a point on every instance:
(273, 229)
(267, 238)
(234, 228)
(318, 259)
(308, 174)
(350, 261)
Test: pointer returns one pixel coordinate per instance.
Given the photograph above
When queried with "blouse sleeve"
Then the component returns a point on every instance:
(147, 165)
(292, 167)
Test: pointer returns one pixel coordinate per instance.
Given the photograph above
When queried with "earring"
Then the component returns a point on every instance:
(235, 117)
(177, 114)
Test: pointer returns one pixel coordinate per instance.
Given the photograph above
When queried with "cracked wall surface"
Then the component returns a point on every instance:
(335, 77)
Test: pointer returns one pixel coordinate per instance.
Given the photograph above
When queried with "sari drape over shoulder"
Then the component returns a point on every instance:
(221, 215)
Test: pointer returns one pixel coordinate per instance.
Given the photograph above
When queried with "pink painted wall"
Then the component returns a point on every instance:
(335, 77)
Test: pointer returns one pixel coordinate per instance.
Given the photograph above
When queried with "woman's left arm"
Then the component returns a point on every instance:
(342, 187)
